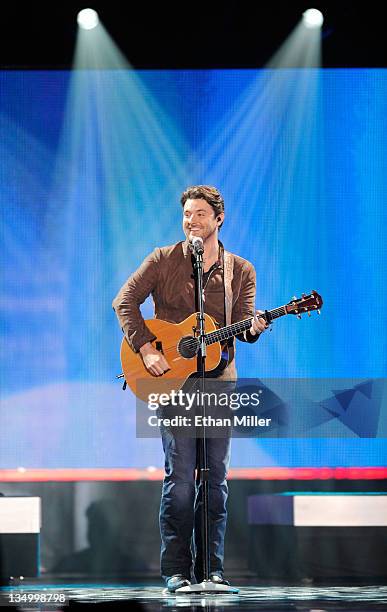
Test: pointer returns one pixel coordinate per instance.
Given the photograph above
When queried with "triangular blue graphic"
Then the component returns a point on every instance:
(366, 388)
(356, 410)
(344, 397)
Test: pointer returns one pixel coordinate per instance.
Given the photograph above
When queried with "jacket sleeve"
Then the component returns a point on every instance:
(133, 293)
(245, 304)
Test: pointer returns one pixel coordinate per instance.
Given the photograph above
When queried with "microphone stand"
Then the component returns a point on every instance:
(207, 586)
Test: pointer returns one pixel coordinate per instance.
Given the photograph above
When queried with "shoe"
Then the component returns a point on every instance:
(176, 582)
(218, 579)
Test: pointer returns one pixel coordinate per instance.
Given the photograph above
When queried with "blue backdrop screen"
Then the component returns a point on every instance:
(92, 167)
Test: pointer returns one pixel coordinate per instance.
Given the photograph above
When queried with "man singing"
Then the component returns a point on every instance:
(229, 293)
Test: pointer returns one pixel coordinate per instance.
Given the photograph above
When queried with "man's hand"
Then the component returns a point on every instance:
(154, 361)
(258, 325)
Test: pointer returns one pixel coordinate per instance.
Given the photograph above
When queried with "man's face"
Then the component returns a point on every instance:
(199, 219)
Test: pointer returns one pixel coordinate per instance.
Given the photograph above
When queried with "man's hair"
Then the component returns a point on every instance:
(205, 192)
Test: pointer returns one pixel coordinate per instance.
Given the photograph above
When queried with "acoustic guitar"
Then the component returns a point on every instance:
(180, 345)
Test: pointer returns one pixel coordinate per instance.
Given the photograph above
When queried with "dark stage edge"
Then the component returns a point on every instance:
(253, 595)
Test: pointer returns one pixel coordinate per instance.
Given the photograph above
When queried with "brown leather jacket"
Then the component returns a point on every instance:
(167, 275)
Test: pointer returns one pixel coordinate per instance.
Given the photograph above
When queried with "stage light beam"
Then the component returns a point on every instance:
(313, 18)
(87, 19)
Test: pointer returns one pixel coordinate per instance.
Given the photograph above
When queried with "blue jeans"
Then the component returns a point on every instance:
(181, 503)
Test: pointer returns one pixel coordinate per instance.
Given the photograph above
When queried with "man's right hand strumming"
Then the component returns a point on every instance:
(154, 361)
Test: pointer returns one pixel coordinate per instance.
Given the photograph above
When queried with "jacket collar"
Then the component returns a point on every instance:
(187, 252)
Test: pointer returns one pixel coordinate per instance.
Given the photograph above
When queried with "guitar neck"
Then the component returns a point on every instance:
(237, 328)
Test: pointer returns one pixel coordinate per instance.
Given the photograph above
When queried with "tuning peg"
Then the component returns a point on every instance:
(309, 313)
(318, 312)
(298, 316)
(294, 297)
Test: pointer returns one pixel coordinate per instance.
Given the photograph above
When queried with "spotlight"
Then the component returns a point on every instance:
(87, 19)
(313, 18)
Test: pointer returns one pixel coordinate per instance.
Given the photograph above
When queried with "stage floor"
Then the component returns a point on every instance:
(150, 597)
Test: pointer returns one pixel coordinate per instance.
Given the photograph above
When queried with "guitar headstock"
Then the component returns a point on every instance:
(306, 303)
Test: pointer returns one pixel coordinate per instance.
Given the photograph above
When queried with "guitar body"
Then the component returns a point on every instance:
(168, 336)
(178, 344)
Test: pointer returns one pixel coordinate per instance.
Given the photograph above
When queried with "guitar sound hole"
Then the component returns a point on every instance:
(188, 347)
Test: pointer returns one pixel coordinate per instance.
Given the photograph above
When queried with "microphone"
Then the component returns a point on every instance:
(197, 246)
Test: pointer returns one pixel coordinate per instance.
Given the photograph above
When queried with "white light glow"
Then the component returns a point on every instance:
(313, 18)
(87, 19)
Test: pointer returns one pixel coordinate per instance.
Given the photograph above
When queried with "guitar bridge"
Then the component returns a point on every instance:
(159, 346)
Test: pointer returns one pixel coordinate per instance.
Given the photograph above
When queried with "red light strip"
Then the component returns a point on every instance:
(272, 473)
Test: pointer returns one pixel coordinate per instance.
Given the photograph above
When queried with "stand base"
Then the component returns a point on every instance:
(207, 587)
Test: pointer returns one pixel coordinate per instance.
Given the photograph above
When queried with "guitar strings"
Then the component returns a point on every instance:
(228, 331)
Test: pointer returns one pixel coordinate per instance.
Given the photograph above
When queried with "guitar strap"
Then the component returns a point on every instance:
(228, 259)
